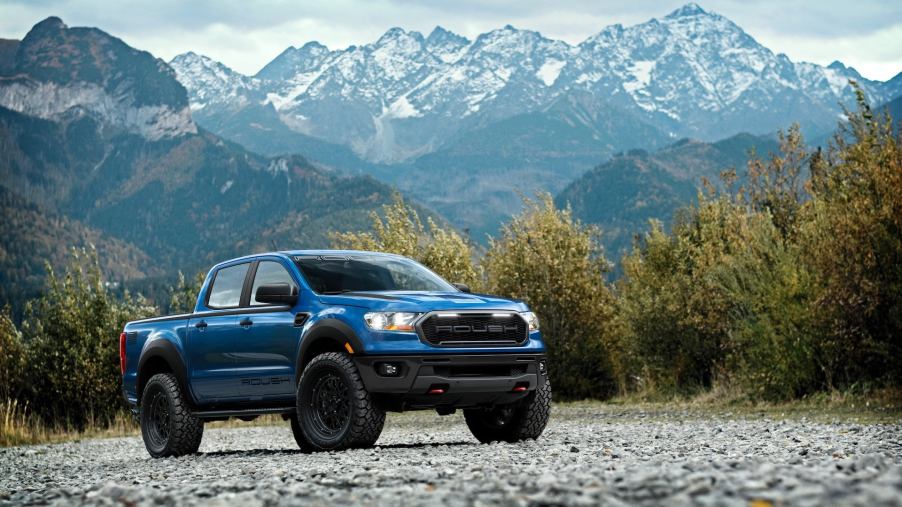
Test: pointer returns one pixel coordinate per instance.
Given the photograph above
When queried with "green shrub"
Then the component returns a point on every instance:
(771, 343)
(555, 264)
(853, 241)
(674, 313)
(71, 334)
(12, 357)
(782, 288)
(402, 232)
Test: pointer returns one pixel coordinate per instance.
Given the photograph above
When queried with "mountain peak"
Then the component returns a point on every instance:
(393, 32)
(441, 35)
(52, 23)
(188, 57)
(294, 60)
(313, 46)
(397, 33)
(836, 65)
(688, 10)
(179, 62)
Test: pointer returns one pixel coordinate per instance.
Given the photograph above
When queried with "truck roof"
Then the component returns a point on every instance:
(292, 253)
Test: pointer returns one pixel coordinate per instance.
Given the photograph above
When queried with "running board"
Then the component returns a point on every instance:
(250, 412)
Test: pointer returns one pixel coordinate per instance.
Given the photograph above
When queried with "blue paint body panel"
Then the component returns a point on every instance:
(220, 361)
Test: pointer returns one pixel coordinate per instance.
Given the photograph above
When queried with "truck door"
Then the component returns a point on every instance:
(266, 351)
(212, 336)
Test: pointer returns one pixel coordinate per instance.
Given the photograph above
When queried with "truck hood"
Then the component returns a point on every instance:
(415, 301)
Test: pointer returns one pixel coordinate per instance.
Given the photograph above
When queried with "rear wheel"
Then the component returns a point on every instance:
(167, 424)
(334, 410)
(525, 419)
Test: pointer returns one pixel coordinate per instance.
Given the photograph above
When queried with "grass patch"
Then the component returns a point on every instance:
(20, 426)
(853, 406)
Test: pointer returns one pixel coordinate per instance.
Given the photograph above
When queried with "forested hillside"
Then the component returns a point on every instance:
(623, 194)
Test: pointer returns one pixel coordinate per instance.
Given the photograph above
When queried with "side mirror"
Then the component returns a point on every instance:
(277, 294)
(462, 287)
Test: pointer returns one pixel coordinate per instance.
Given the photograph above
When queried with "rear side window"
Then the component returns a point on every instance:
(269, 272)
(227, 285)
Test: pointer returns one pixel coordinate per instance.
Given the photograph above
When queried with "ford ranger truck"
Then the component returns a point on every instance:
(331, 340)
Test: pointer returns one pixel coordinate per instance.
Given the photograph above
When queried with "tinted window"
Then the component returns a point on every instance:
(226, 290)
(269, 272)
(368, 273)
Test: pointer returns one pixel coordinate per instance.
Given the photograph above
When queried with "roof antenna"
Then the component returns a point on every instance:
(273, 243)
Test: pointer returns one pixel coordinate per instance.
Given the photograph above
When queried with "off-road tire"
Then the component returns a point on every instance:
(355, 422)
(299, 436)
(523, 420)
(162, 401)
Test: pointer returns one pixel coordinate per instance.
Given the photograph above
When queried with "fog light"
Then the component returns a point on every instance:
(388, 369)
(542, 368)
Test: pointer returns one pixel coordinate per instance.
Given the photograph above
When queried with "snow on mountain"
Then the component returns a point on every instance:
(690, 73)
(209, 81)
(446, 45)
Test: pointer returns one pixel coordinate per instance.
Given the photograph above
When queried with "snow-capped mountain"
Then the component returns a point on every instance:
(213, 83)
(691, 73)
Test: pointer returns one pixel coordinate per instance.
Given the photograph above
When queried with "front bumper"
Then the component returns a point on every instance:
(466, 380)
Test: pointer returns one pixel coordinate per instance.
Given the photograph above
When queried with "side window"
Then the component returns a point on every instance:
(269, 272)
(227, 285)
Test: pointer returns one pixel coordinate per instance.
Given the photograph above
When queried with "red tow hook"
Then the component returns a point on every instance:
(521, 387)
(437, 389)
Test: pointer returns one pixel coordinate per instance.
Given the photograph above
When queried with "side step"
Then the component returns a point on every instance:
(250, 412)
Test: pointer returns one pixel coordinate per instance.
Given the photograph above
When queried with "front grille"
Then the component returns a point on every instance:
(473, 329)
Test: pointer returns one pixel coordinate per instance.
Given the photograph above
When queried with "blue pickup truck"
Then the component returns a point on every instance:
(331, 340)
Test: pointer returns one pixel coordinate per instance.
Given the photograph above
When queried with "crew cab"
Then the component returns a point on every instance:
(331, 340)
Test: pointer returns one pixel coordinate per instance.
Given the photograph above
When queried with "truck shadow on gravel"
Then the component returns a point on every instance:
(277, 452)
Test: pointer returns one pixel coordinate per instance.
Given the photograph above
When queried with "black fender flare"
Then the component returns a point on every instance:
(167, 351)
(329, 328)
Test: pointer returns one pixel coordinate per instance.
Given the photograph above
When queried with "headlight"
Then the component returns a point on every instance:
(532, 320)
(390, 321)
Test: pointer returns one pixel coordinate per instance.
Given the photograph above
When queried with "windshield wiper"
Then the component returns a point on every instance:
(334, 292)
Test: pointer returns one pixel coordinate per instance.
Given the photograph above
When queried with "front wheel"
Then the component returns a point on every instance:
(167, 424)
(334, 409)
(525, 419)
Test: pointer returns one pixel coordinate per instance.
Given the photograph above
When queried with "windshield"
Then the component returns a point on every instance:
(338, 274)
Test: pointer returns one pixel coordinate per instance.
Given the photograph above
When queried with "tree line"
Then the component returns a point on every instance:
(786, 285)
(783, 286)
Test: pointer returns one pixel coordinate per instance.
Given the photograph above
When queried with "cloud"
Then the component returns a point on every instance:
(245, 35)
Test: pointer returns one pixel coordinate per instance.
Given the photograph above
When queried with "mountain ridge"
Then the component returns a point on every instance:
(454, 121)
(401, 97)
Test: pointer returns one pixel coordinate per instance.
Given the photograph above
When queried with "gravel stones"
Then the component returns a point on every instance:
(588, 455)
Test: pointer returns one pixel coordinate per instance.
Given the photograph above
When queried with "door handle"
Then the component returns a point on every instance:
(201, 325)
(246, 322)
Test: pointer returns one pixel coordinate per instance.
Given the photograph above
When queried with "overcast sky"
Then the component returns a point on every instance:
(245, 35)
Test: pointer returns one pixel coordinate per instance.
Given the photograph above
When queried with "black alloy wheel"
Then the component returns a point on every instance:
(168, 426)
(334, 409)
(330, 405)
(158, 423)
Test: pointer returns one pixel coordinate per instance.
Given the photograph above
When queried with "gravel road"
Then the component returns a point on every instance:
(589, 454)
